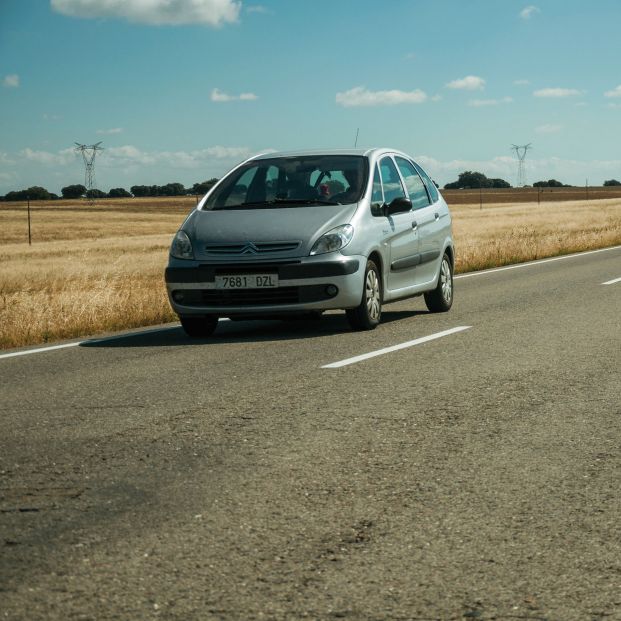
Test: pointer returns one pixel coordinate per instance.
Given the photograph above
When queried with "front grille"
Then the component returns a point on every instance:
(241, 298)
(251, 297)
(251, 248)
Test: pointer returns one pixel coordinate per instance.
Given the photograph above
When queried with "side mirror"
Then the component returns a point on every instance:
(398, 205)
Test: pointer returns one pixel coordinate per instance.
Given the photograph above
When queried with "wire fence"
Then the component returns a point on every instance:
(476, 196)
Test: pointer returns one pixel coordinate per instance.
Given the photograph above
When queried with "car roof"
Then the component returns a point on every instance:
(366, 152)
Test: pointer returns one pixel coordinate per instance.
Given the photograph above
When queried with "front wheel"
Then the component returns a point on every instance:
(368, 313)
(199, 327)
(440, 299)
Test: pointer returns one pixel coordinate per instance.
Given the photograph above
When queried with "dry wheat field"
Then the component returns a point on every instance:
(96, 269)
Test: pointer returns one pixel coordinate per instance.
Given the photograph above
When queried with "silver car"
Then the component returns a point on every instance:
(308, 231)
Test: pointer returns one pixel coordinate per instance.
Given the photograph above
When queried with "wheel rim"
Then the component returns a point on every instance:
(446, 280)
(373, 295)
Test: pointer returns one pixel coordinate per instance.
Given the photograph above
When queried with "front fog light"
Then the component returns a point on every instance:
(178, 296)
(332, 290)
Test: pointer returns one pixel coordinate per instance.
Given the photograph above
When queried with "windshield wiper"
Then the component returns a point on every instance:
(303, 201)
(278, 201)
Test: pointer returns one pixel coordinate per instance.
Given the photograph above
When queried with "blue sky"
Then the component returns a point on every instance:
(182, 94)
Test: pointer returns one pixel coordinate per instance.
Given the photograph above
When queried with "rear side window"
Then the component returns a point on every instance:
(391, 180)
(414, 184)
(377, 196)
(431, 186)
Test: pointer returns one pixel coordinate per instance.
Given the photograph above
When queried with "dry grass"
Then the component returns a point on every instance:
(503, 234)
(98, 269)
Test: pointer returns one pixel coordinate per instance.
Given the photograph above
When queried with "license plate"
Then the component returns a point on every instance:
(247, 281)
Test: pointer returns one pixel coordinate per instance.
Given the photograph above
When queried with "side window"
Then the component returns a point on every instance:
(431, 186)
(413, 183)
(377, 196)
(390, 180)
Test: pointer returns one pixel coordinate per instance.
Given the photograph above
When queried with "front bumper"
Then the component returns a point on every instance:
(305, 284)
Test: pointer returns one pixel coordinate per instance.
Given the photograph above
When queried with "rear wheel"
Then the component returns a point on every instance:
(199, 327)
(440, 299)
(368, 313)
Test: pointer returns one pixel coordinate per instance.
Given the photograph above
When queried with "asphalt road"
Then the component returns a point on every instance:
(476, 475)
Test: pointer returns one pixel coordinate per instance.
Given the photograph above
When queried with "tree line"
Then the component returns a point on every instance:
(470, 180)
(38, 193)
(467, 180)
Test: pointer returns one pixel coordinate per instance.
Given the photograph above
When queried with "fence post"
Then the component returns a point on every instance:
(29, 235)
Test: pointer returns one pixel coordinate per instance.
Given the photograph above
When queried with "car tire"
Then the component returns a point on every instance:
(368, 314)
(199, 327)
(440, 299)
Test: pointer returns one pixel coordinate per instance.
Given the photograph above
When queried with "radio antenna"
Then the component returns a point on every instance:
(356, 141)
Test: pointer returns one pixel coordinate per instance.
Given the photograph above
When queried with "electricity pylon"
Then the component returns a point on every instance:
(520, 152)
(88, 155)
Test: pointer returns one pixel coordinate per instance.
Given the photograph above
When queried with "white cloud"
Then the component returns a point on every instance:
(521, 82)
(615, 92)
(113, 130)
(11, 80)
(220, 96)
(436, 98)
(548, 129)
(469, 83)
(8, 177)
(479, 103)
(60, 158)
(155, 12)
(557, 92)
(5, 158)
(128, 155)
(505, 167)
(360, 96)
(257, 8)
(614, 106)
(529, 11)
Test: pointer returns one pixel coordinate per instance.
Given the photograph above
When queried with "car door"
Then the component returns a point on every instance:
(438, 230)
(426, 216)
(402, 235)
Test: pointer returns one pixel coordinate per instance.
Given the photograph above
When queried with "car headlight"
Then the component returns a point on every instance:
(333, 240)
(181, 247)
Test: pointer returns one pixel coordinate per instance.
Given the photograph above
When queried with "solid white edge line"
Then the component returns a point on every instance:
(612, 282)
(40, 349)
(531, 263)
(387, 350)
(93, 341)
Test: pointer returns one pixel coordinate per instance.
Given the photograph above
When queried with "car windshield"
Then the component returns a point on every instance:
(292, 182)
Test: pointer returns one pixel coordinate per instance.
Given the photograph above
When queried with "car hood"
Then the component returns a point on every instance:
(220, 234)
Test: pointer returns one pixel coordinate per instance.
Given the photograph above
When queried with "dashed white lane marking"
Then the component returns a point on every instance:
(612, 282)
(532, 263)
(387, 350)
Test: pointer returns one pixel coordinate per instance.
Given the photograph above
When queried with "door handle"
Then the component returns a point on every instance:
(414, 225)
(437, 216)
